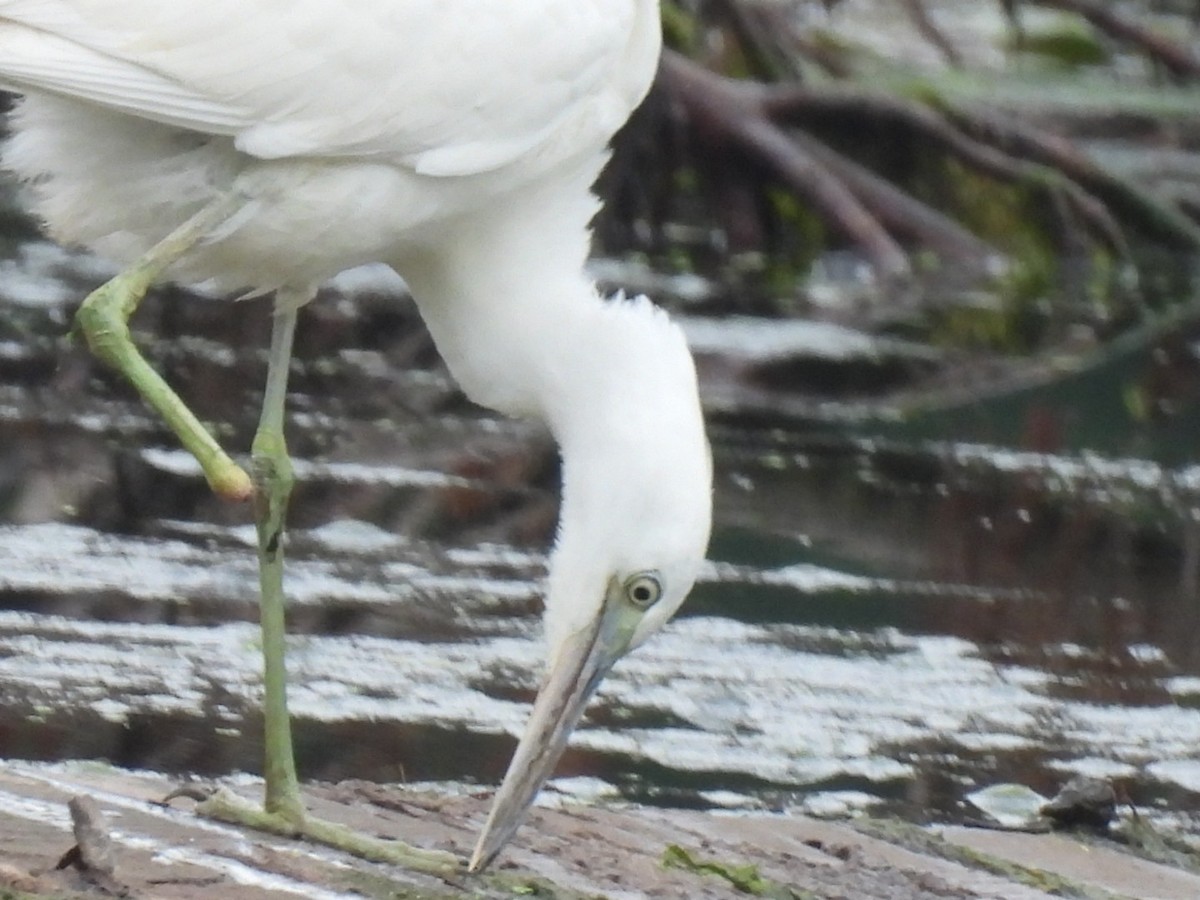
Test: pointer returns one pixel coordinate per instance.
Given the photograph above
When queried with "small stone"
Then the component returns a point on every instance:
(1083, 802)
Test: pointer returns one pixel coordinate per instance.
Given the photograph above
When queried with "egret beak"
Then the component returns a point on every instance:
(581, 664)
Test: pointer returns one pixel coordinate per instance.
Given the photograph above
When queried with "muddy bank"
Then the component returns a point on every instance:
(566, 851)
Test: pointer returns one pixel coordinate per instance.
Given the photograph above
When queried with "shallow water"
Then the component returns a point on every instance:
(900, 607)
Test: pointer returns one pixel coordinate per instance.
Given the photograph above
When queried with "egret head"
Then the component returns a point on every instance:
(636, 515)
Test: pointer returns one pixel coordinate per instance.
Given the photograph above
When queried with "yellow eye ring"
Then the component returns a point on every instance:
(644, 589)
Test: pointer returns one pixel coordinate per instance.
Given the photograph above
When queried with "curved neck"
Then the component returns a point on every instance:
(505, 296)
(524, 332)
(518, 354)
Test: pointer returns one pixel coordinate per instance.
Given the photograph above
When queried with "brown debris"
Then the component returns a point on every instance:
(92, 856)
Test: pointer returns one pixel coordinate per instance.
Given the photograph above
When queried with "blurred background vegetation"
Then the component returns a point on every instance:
(1005, 190)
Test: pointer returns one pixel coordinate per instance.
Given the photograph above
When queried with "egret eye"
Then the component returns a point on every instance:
(644, 590)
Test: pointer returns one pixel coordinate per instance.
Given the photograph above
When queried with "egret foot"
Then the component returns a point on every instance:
(226, 806)
(104, 321)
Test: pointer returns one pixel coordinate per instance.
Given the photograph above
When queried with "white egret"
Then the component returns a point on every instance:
(265, 145)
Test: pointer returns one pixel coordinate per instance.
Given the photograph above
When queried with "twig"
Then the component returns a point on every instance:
(1133, 204)
(797, 103)
(804, 173)
(929, 30)
(722, 111)
(1179, 61)
(901, 212)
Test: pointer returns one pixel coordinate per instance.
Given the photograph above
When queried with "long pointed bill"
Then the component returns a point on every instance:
(583, 661)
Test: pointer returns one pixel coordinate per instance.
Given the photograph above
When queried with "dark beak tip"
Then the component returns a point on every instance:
(483, 858)
(559, 704)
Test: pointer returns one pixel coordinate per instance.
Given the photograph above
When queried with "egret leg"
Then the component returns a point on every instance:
(283, 809)
(104, 320)
(273, 480)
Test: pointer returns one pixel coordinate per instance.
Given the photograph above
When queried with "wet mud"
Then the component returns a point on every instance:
(566, 851)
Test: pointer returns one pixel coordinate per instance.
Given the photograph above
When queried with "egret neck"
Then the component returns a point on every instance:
(525, 332)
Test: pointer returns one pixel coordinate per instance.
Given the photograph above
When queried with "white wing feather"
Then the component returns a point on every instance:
(446, 87)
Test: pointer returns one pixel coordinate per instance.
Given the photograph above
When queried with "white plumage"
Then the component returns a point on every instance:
(414, 110)
(456, 140)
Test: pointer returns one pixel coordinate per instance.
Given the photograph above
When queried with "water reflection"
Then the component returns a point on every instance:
(895, 616)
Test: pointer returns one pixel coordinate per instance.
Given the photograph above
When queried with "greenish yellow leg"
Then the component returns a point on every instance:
(283, 811)
(104, 320)
(273, 481)
(229, 807)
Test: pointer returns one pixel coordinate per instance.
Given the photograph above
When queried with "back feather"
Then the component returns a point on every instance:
(445, 87)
